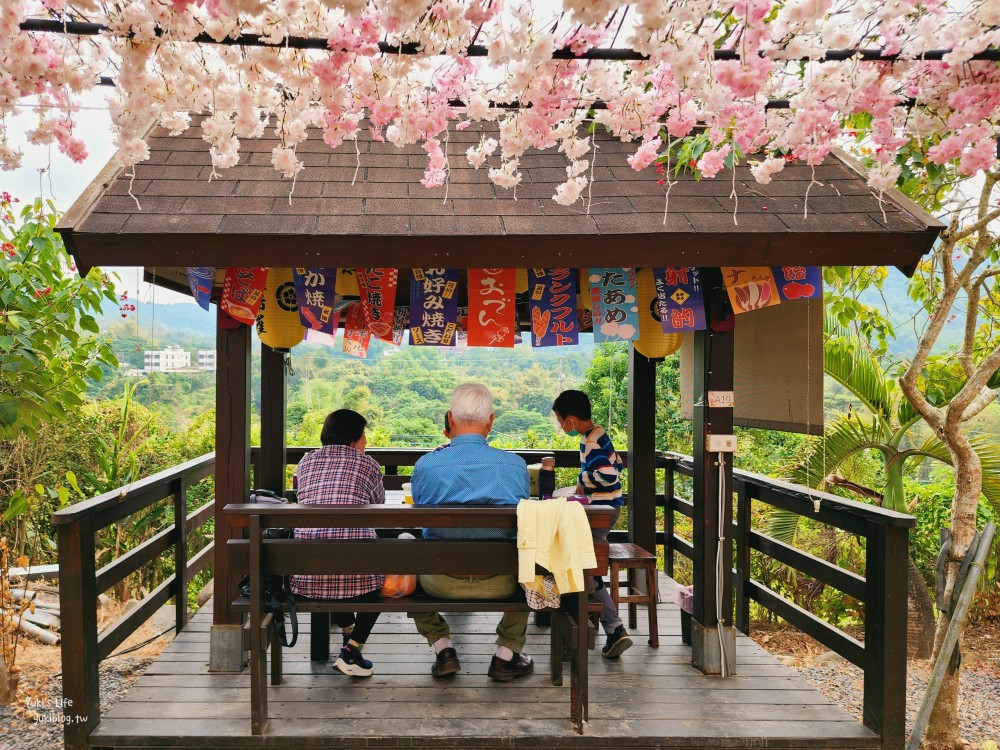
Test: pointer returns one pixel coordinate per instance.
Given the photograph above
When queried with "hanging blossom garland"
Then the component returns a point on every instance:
(404, 70)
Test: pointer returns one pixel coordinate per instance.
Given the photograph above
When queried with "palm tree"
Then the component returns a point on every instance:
(887, 426)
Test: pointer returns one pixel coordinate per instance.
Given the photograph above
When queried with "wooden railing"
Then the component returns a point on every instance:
(81, 582)
(882, 590)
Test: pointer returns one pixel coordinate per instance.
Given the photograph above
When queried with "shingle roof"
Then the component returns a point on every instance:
(378, 214)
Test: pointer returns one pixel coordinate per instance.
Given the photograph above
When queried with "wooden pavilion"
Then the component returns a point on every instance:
(368, 209)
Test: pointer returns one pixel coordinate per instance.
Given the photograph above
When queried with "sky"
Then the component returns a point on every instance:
(47, 173)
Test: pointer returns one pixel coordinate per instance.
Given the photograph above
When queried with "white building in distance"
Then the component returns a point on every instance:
(166, 360)
(206, 359)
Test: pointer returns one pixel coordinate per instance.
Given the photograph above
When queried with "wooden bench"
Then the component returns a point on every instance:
(259, 557)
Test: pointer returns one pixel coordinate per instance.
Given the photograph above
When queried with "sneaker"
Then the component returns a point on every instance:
(352, 663)
(446, 663)
(618, 643)
(505, 670)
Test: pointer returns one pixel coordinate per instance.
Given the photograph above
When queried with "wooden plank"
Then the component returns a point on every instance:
(232, 449)
(270, 467)
(131, 561)
(848, 647)
(843, 580)
(641, 449)
(130, 622)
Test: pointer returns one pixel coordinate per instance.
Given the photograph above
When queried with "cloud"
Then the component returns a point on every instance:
(617, 330)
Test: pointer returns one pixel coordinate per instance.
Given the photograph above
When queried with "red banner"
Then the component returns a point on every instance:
(377, 287)
(492, 312)
(242, 293)
(356, 333)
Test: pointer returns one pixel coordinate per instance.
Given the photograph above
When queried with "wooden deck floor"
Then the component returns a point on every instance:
(649, 698)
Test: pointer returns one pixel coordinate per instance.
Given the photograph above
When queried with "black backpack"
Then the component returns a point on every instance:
(277, 595)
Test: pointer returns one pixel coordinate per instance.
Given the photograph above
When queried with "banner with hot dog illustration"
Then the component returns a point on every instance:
(552, 305)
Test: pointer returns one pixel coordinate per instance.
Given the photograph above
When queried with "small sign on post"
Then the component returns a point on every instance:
(720, 400)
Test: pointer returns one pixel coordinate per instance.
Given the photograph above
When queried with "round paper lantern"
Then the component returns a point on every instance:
(347, 283)
(278, 323)
(521, 285)
(584, 296)
(652, 342)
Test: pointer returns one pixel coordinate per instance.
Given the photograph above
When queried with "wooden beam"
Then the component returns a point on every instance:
(270, 474)
(713, 371)
(232, 449)
(641, 450)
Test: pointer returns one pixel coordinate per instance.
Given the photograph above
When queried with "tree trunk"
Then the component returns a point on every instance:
(8, 686)
(920, 615)
(943, 731)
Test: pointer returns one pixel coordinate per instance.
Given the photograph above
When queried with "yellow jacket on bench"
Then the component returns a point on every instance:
(554, 534)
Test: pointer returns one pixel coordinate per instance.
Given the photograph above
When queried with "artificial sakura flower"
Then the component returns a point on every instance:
(506, 176)
(569, 192)
(285, 161)
(646, 154)
(712, 162)
(763, 171)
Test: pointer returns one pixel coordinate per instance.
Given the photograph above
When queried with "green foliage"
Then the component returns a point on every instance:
(49, 338)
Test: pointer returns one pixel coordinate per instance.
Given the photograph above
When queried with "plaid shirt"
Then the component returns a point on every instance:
(337, 475)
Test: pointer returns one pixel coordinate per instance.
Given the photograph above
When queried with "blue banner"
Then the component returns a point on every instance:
(434, 307)
(798, 282)
(552, 304)
(316, 292)
(614, 300)
(200, 280)
(681, 299)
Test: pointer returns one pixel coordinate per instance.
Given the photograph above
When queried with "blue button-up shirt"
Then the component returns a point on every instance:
(468, 471)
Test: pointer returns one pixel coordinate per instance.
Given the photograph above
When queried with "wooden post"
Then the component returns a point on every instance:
(270, 473)
(668, 519)
(713, 371)
(78, 609)
(232, 483)
(180, 555)
(886, 554)
(641, 450)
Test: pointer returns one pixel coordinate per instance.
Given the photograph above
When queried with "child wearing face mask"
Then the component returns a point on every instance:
(600, 481)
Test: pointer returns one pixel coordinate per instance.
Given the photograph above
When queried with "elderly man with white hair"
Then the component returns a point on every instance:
(468, 471)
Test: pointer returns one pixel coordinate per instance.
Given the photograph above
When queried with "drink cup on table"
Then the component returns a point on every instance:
(407, 494)
(547, 477)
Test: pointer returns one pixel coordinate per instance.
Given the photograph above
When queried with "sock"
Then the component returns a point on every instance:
(347, 631)
(355, 645)
(504, 653)
(441, 644)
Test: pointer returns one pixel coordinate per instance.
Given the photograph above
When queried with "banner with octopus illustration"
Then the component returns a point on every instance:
(552, 305)
(377, 287)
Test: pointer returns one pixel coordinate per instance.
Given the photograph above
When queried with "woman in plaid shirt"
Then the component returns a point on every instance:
(340, 473)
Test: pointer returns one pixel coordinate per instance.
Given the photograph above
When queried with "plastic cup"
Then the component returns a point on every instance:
(407, 494)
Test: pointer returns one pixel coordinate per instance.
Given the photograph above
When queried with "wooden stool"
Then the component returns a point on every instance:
(633, 557)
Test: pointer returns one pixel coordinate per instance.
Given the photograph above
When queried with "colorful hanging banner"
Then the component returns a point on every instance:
(318, 337)
(347, 282)
(400, 322)
(798, 282)
(242, 291)
(200, 280)
(750, 287)
(614, 299)
(492, 309)
(357, 337)
(681, 299)
(377, 287)
(319, 303)
(552, 304)
(433, 307)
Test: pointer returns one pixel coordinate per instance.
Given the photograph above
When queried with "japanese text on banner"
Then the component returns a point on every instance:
(433, 307)
(681, 299)
(552, 304)
(242, 292)
(750, 287)
(798, 282)
(356, 333)
(614, 300)
(492, 310)
(377, 287)
(319, 303)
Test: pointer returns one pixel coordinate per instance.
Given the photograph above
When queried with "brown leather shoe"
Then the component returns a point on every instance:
(446, 663)
(505, 671)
